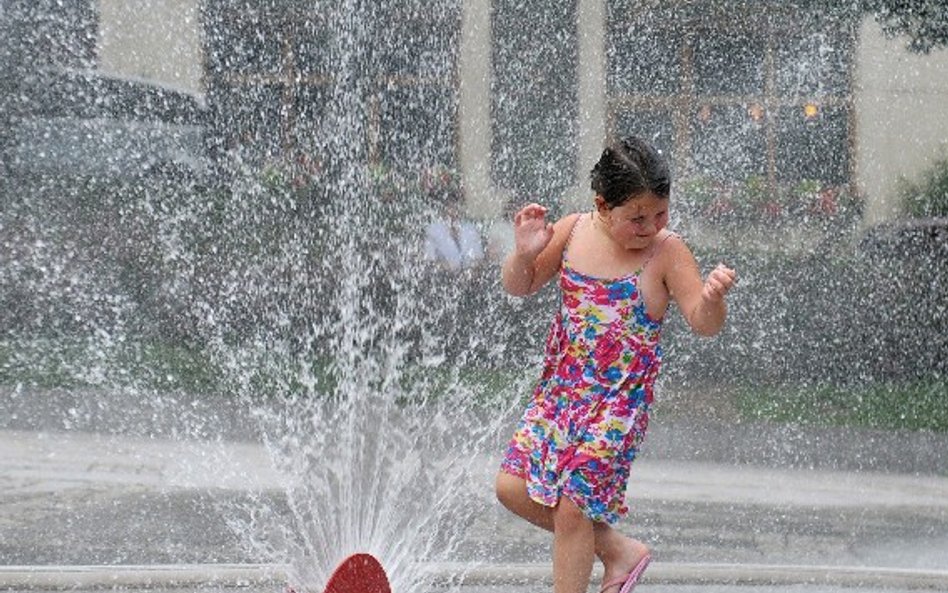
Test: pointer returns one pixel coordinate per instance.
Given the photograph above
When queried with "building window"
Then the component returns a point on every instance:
(272, 79)
(728, 140)
(645, 62)
(250, 79)
(815, 62)
(254, 117)
(810, 137)
(413, 108)
(50, 34)
(728, 63)
(733, 95)
(654, 123)
(416, 126)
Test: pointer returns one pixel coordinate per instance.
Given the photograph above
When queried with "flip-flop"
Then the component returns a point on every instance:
(629, 581)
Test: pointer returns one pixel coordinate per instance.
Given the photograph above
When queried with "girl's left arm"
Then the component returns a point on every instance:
(701, 302)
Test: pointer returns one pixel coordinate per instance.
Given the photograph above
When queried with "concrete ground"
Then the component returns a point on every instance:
(80, 507)
(77, 499)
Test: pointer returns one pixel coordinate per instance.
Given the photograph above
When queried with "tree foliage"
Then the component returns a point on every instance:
(928, 196)
(924, 22)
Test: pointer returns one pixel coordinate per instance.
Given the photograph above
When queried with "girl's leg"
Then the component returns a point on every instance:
(574, 545)
(619, 553)
(512, 493)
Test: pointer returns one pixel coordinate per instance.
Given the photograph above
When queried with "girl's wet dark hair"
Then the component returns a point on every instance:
(627, 168)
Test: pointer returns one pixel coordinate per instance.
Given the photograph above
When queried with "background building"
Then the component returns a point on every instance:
(748, 99)
(90, 89)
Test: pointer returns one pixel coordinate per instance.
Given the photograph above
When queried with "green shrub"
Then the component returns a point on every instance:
(928, 196)
(918, 405)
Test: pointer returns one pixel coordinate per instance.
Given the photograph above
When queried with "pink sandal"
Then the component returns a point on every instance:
(629, 581)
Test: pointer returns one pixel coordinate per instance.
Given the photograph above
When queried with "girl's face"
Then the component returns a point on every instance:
(635, 223)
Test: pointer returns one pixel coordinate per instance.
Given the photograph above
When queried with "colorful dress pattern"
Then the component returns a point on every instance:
(589, 412)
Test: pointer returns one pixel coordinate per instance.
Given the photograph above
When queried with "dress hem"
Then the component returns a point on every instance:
(576, 500)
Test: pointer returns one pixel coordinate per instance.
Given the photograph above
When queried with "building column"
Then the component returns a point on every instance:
(901, 122)
(591, 95)
(474, 121)
(158, 41)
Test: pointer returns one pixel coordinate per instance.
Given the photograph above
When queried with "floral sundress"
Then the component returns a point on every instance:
(589, 412)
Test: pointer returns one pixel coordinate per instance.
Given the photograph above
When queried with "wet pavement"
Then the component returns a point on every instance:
(77, 498)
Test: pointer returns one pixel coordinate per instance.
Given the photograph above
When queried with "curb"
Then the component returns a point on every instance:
(61, 578)
(749, 575)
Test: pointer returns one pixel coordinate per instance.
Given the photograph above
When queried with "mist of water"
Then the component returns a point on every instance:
(289, 277)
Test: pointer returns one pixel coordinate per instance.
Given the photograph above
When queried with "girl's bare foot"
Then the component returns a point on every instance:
(624, 558)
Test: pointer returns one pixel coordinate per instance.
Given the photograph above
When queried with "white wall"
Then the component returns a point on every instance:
(474, 127)
(901, 102)
(156, 40)
(591, 73)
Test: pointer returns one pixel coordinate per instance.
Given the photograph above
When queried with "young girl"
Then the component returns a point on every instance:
(567, 465)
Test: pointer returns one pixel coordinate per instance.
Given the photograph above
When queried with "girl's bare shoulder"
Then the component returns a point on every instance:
(563, 227)
(550, 259)
(567, 222)
(674, 252)
(673, 243)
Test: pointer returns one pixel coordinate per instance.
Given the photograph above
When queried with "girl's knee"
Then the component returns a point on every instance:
(567, 516)
(509, 489)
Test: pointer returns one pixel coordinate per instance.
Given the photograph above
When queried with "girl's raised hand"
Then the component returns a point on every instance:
(719, 281)
(532, 233)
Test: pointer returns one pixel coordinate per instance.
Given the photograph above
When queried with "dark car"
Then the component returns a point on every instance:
(83, 122)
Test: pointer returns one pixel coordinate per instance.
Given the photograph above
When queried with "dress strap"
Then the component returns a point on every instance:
(656, 249)
(572, 232)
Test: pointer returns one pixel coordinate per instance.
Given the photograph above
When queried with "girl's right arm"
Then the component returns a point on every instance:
(701, 302)
(538, 250)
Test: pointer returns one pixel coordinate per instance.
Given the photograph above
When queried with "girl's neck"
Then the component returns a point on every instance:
(601, 227)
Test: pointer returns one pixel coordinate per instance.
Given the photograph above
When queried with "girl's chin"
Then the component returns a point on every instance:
(638, 243)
